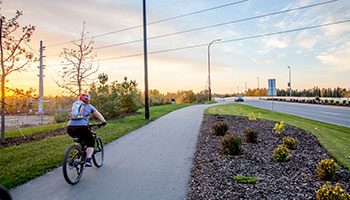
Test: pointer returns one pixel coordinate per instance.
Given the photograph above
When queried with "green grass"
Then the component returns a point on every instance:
(22, 163)
(33, 130)
(244, 179)
(335, 139)
(210, 102)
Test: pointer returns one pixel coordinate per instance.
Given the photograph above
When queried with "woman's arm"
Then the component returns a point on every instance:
(99, 116)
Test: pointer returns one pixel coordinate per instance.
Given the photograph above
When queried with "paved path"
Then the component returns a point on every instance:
(152, 162)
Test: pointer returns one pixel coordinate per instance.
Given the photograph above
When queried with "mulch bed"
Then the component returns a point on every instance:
(12, 141)
(212, 171)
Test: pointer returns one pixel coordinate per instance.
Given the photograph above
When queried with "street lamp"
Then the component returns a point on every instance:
(258, 89)
(209, 89)
(290, 82)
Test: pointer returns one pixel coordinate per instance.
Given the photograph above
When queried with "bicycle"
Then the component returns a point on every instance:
(74, 158)
(4, 194)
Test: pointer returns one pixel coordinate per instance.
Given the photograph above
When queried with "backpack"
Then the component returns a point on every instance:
(77, 112)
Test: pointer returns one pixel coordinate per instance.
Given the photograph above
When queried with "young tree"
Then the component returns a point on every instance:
(14, 57)
(78, 65)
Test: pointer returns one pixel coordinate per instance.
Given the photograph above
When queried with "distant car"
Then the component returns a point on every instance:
(239, 98)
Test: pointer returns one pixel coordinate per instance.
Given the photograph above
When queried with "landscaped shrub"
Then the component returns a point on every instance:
(259, 116)
(344, 102)
(290, 143)
(251, 136)
(317, 98)
(279, 127)
(326, 101)
(231, 144)
(60, 117)
(220, 128)
(329, 192)
(282, 154)
(331, 101)
(326, 169)
(251, 116)
(244, 179)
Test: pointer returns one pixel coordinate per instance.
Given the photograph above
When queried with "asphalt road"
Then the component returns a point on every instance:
(337, 115)
(152, 162)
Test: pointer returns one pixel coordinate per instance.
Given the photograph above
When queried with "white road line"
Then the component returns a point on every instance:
(330, 113)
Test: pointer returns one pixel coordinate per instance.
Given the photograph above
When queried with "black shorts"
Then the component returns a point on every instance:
(83, 133)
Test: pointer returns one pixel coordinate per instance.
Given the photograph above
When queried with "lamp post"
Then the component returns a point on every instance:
(290, 82)
(209, 88)
(258, 89)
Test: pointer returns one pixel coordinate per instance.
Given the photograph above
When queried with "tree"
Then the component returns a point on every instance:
(14, 57)
(78, 65)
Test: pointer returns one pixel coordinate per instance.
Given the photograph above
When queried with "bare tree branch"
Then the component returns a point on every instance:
(79, 65)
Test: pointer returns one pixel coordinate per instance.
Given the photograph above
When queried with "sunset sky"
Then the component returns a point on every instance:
(318, 57)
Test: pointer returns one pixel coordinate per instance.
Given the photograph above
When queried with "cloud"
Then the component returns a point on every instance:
(273, 42)
(261, 61)
(338, 60)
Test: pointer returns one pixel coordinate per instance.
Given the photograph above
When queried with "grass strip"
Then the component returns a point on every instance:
(335, 139)
(21, 163)
(34, 130)
(244, 179)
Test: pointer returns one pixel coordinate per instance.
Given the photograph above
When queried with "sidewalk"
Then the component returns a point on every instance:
(152, 162)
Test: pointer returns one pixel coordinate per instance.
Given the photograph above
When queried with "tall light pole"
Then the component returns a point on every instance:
(290, 81)
(258, 89)
(209, 88)
(145, 60)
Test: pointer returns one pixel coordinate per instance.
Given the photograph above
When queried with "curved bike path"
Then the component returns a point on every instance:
(152, 162)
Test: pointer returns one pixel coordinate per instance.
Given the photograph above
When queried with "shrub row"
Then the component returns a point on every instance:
(314, 101)
(326, 169)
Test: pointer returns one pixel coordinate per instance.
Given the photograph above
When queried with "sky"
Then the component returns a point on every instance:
(317, 57)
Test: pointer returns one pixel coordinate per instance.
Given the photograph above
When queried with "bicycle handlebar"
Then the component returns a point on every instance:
(97, 125)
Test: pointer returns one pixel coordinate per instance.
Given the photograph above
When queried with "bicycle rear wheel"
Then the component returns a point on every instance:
(98, 155)
(73, 164)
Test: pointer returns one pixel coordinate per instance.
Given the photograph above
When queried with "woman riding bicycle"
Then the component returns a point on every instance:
(78, 125)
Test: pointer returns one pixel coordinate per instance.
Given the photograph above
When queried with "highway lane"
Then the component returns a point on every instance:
(337, 115)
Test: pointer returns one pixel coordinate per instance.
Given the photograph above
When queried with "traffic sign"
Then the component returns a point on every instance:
(272, 91)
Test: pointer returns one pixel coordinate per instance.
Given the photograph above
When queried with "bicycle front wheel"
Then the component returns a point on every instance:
(73, 165)
(98, 155)
(4, 194)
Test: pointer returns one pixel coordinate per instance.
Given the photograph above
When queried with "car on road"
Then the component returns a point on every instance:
(239, 98)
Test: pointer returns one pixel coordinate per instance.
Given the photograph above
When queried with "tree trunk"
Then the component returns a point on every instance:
(2, 105)
(2, 88)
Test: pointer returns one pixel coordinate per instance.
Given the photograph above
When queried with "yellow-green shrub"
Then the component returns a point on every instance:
(279, 127)
(282, 154)
(326, 169)
(290, 143)
(329, 192)
(251, 116)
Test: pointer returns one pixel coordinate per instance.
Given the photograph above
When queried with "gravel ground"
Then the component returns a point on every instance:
(212, 171)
